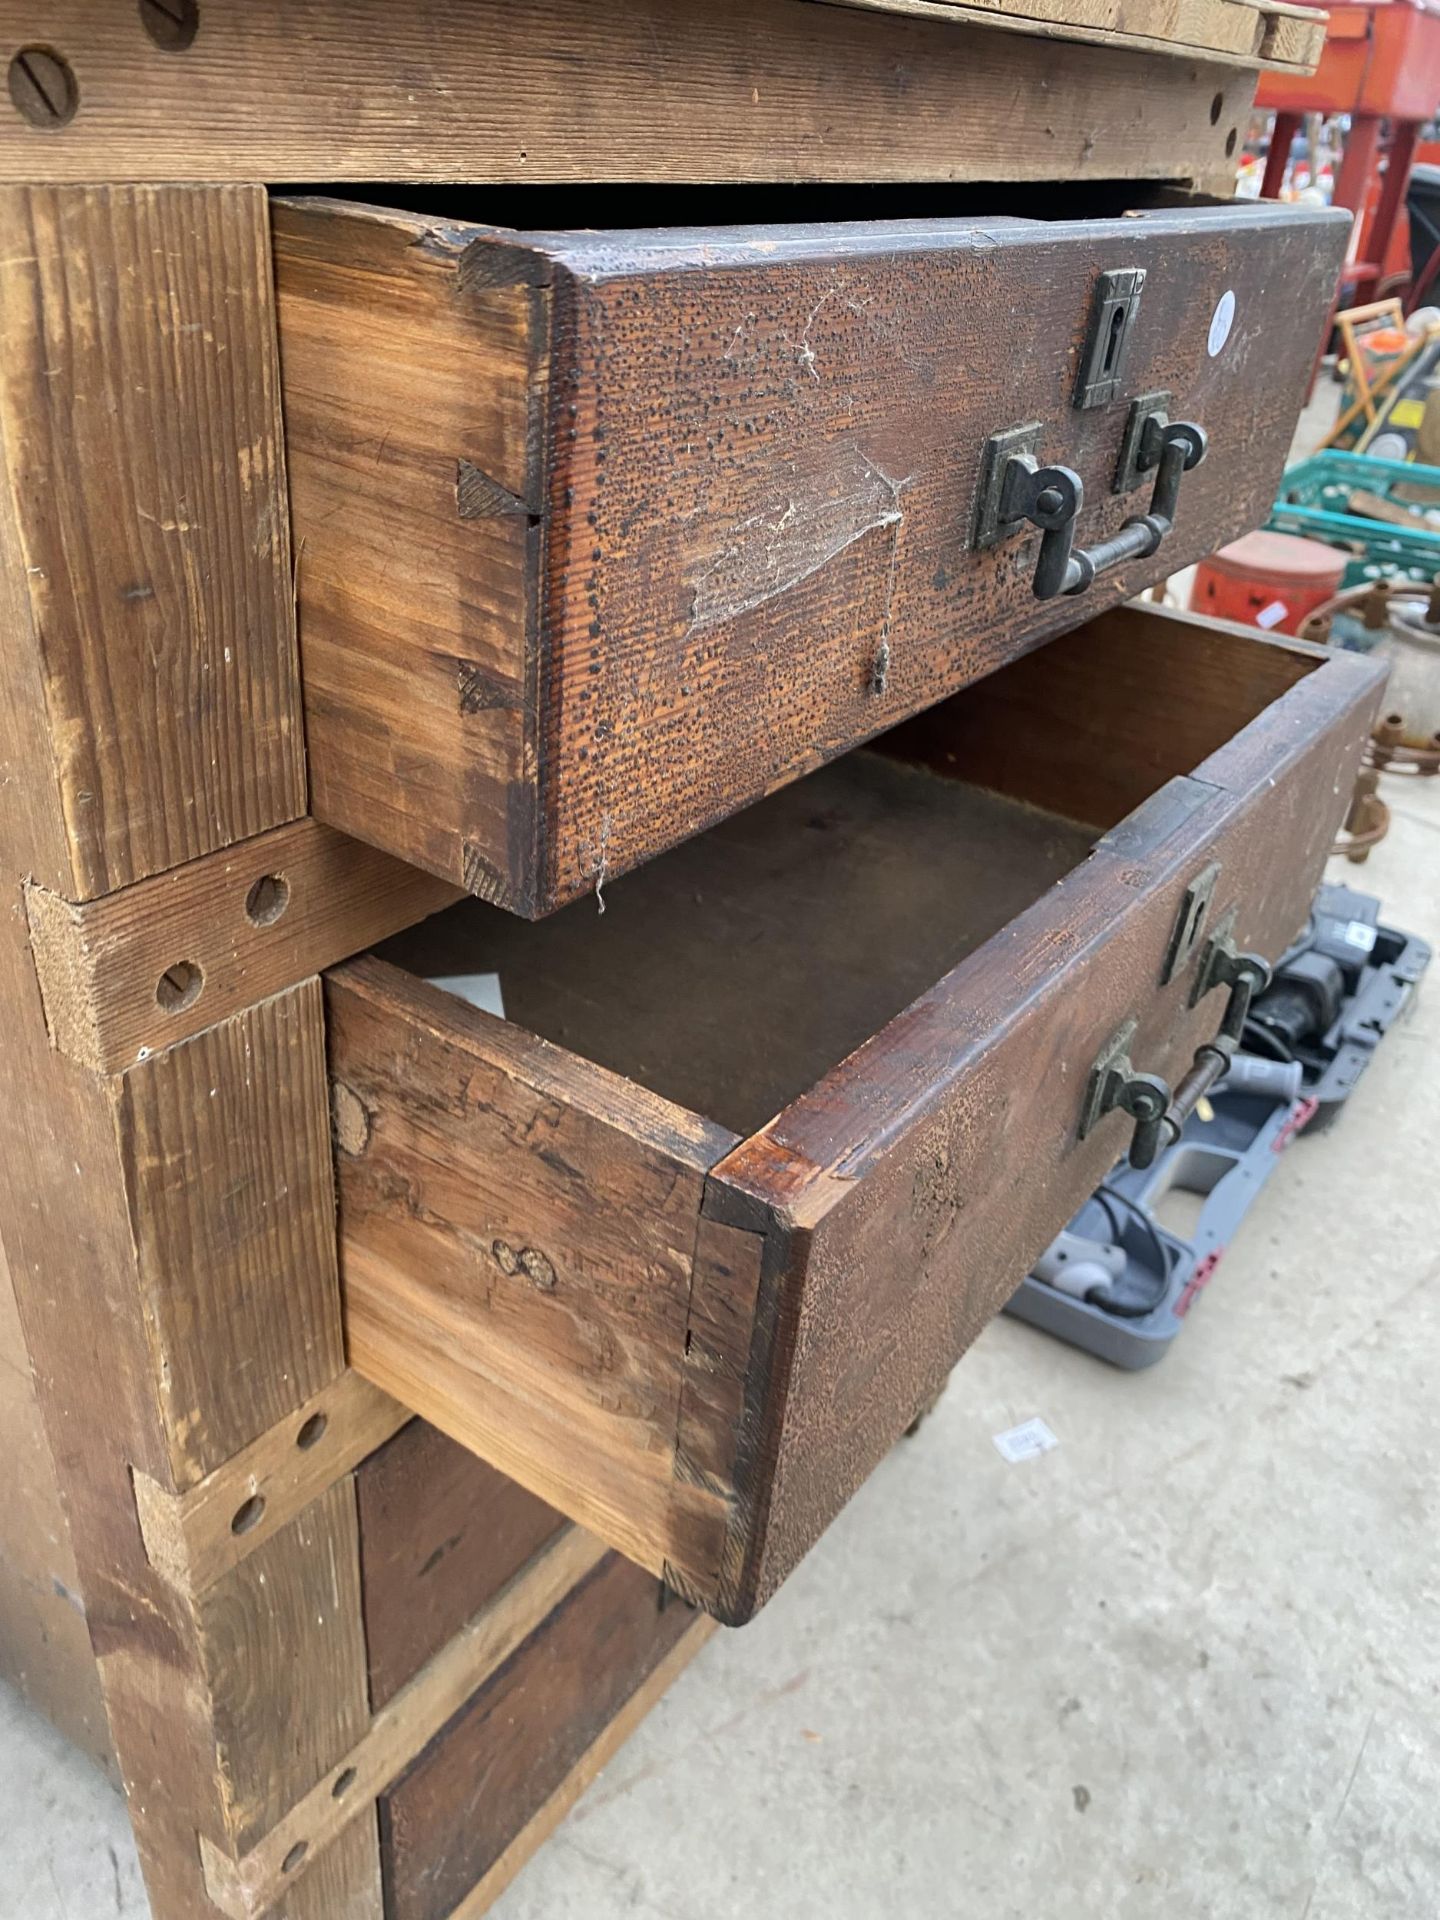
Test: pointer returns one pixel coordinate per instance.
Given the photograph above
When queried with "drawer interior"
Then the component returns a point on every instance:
(684, 1242)
(732, 973)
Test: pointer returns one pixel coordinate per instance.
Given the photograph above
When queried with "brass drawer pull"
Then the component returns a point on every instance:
(1159, 1114)
(1051, 498)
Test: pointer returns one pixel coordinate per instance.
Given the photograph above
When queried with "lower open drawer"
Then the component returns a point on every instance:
(685, 1240)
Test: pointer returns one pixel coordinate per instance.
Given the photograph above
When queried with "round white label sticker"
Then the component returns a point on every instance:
(1221, 322)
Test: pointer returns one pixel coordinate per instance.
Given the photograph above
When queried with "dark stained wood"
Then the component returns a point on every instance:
(872, 876)
(1107, 746)
(765, 90)
(150, 708)
(747, 543)
(440, 1534)
(850, 1248)
(452, 1814)
(903, 1197)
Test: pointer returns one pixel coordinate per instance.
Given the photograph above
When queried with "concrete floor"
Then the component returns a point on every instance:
(1183, 1667)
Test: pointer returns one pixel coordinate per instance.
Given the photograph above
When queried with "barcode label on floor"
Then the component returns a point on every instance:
(1025, 1442)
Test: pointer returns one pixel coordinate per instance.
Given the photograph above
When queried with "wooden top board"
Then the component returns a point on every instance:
(564, 90)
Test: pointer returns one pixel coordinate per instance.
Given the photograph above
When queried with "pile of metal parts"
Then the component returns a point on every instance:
(1118, 1281)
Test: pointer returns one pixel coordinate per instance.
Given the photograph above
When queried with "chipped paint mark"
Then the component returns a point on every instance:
(773, 550)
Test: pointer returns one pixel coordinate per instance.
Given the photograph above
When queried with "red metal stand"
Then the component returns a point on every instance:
(1381, 62)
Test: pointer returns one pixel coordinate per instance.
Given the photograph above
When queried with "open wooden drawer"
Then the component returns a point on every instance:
(685, 1242)
(602, 535)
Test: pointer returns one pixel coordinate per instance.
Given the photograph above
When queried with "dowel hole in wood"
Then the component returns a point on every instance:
(1230, 140)
(296, 1854)
(248, 1514)
(43, 88)
(179, 986)
(171, 24)
(267, 900)
(1217, 107)
(343, 1783)
(312, 1431)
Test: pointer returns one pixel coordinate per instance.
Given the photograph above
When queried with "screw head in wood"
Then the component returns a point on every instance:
(171, 24)
(42, 88)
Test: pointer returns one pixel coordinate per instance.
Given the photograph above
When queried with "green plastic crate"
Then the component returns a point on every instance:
(1311, 503)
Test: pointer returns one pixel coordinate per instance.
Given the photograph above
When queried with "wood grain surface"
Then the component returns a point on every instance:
(451, 1815)
(441, 1533)
(904, 1196)
(657, 89)
(923, 972)
(144, 533)
(236, 926)
(753, 545)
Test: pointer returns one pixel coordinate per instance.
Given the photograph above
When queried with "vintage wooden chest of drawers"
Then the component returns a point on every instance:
(687, 1241)
(604, 535)
(682, 1239)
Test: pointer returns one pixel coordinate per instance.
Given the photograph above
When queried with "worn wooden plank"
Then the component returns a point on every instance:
(541, 1824)
(522, 1734)
(1285, 37)
(195, 1537)
(762, 451)
(283, 1646)
(143, 530)
(169, 1230)
(227, 1165)
(441, 1533)
(416, 591)
(544, 1323)
(766, 90)
(248, 1887)
(138, 970)
(59, 1161)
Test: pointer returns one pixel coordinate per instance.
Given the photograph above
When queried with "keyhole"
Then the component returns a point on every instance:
(1113, 339)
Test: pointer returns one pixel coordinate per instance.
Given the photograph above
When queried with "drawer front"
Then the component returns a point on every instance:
(564, 1698)
(441, 1532)
(602, 537)
(699, 1346)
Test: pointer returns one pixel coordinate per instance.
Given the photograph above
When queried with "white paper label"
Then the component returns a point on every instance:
(1357, 934)
(1272, 615)
(480, 989)
(1221, 322)
(1025, 1442)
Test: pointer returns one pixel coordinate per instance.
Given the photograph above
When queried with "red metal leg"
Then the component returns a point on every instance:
(1392, 197)
(1282, 137)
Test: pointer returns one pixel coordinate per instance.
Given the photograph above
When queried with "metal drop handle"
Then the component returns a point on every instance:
(1159, 1114)
(1051, 498)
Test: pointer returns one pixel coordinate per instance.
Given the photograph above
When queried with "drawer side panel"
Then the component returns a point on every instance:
(411, 397)
(906, 1195)
(517, 1236)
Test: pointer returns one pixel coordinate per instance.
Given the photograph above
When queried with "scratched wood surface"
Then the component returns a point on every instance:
(521, 1734)
(729, 535)
(440, 1534)
(910, 1087)
(144, 537)
(471, 89)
